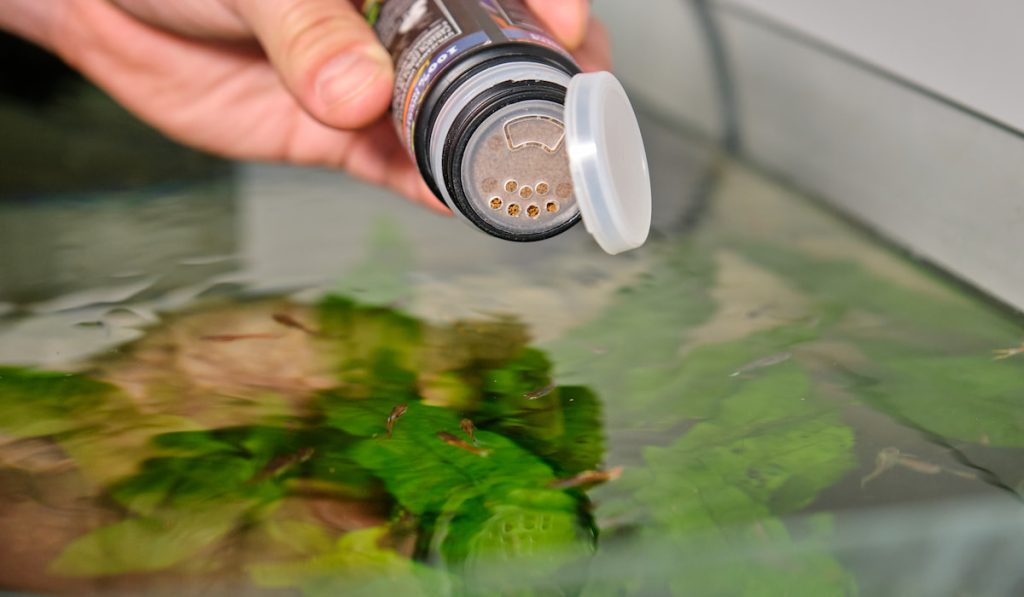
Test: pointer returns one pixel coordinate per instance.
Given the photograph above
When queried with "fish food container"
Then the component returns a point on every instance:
(506, 130)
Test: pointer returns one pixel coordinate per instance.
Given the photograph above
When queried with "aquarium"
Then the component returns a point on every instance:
(254, 379)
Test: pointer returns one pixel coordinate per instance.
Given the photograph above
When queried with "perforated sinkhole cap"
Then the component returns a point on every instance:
(607, 162)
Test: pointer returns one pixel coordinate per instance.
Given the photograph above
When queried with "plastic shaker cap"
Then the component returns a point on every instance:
(608, 162)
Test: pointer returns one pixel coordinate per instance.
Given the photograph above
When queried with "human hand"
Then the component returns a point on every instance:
(303, 81)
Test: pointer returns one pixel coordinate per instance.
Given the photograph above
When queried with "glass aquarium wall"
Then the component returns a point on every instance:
(249, 379)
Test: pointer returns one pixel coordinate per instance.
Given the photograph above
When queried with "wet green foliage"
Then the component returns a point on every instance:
(768, 451)
(245, 464)
(474, 499)
(962, 397)
(761, 444)
(918, 316)
(929, 358)
(561, 423)
(481, 506)
(630, 355)
(741, 434)
(355, 564)
(39, 403)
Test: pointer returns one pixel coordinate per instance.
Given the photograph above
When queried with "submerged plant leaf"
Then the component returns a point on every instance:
(490, 504)
(36, 403)
(116, 445)
(356, 564)
(918, 316)
(696, 385)
(527, 539)
(421, 470)
(248, 465)
(965, 398)
(145, 544)
(768, 437)
(929, 365)
(481, 496)
(631, 354)
(377, 349)
(564, 426)
(719, 490)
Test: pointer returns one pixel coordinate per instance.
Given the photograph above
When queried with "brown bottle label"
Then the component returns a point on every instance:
(424, 37)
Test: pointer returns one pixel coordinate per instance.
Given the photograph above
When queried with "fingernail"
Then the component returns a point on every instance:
(344, 78)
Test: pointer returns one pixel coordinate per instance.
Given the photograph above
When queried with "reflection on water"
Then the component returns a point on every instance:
(766, 402)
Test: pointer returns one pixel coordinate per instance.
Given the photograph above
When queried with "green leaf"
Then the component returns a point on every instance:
(420, 469)
(518, 378)
(377, 349)
(768, 449)
(531, 542)
(967, 398)
(764, 558)
(712, 372)
(486, 507)
(631, 354)
(145, 544)
(245, 464)
(36, 403)
(165, 483)
(564, 427)
(356, 565)
(929, 354)
(769, 435)
(910, 316)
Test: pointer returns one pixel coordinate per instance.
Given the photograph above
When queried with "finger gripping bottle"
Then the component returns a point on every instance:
(505, 129)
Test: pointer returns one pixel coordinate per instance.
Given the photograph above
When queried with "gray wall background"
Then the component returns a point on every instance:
(905, 115)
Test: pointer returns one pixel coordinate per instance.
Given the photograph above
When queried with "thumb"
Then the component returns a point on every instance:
(327, 56)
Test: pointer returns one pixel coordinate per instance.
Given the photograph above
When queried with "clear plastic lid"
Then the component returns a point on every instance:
(608, 162)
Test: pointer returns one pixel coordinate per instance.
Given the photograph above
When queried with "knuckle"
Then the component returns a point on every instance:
(311, 30)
